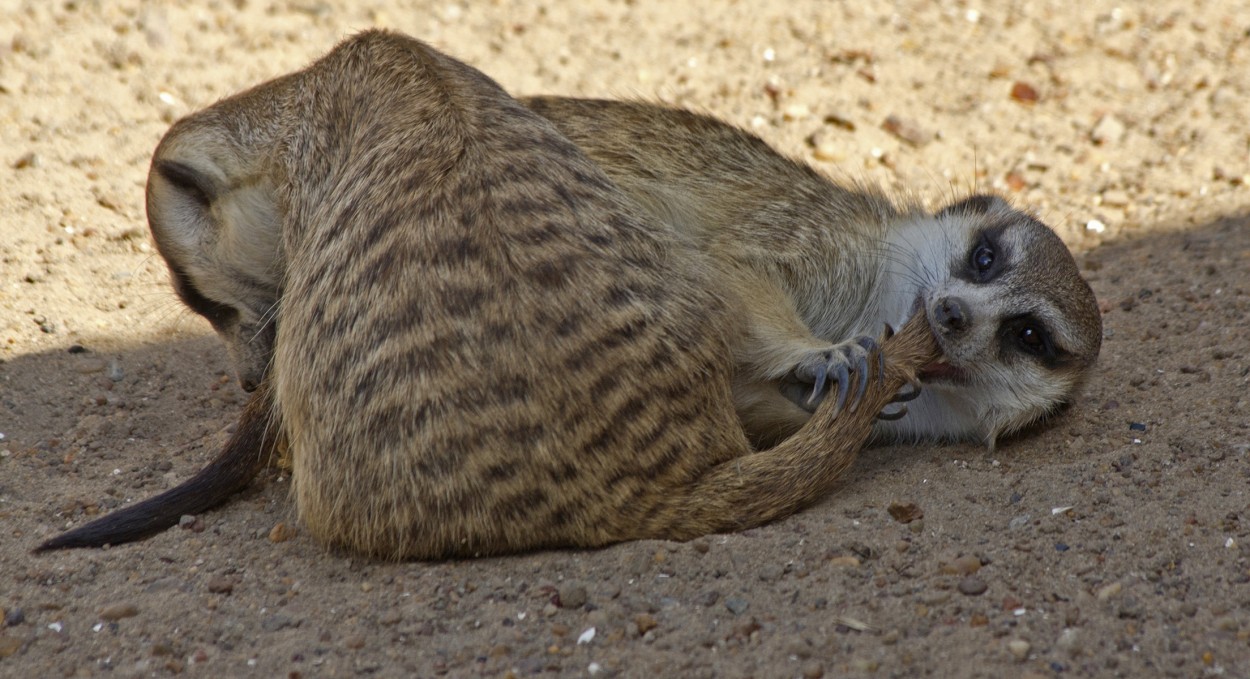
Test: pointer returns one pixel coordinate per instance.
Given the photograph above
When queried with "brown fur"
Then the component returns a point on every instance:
(481, 345)
(812, 264)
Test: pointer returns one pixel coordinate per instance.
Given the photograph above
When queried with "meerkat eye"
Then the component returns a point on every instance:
(982, 261)
(1033, 339)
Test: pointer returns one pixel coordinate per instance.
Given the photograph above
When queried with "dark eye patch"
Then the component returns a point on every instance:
(982, 259)
(987, 258)
(1027, 334)
(218, 314)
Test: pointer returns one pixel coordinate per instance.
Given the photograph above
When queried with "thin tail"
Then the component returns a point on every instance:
(250, 448)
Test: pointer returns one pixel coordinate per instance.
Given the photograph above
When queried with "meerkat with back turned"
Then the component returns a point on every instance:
(471, 341)
(818, 266)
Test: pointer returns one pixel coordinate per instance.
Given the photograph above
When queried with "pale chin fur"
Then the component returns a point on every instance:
(916, 270)
(943, 413)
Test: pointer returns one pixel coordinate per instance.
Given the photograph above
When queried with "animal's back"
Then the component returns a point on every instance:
(481, 347)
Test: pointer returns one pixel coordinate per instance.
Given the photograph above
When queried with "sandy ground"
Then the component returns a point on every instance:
(1115, 542)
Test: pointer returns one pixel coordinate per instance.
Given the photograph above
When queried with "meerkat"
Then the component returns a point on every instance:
(469, 339)
(817, 266)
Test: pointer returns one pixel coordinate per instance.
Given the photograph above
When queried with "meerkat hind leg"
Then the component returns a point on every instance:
(767, 485)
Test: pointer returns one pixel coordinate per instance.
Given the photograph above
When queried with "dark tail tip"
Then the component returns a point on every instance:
(250, 448)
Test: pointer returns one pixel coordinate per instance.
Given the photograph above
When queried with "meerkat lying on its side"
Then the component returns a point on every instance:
(470, 340)
(818, 267)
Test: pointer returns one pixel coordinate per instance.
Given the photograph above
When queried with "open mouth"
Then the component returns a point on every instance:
(939, 371)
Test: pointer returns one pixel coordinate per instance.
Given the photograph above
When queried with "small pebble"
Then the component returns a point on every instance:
(1019, 522)
(771, 572)
(1227, 624)
(191, 523)
(572, 595)
(1019, 649)
(1115, 198)
(221, 584)
(824, 146)
(1108, 130)
(964, 565)
(708, 598)
(905, 512)
(14, 617)
(354, 642)
(908, 130)
(745, 627)
(1136, 426)
(281, 532)
(645, 622)
(277, 622)
(1069, 641)
(391, 617)
(737, 605)
(796, 112)
(118, 611)
(1024, 93)
(30, 159)
(87, 366)
(812, 669)
(1109, 591)
(9, 646)
(972, 586)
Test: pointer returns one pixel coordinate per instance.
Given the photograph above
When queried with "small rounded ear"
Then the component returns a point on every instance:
(977, 204)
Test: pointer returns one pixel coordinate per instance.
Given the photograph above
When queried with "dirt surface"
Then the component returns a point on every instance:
(1114, 542)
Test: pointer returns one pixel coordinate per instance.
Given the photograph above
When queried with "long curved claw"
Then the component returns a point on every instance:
(843, 377)
(822, 377)
(903, 396)
(870, 347)
(890, 417)
(861, 369)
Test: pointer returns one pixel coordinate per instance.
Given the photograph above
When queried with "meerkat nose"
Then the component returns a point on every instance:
(952, 313)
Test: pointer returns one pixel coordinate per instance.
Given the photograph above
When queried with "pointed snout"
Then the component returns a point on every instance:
(952, 314)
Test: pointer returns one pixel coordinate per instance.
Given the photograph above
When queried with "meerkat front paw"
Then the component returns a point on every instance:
(814, 371)
(807, 384)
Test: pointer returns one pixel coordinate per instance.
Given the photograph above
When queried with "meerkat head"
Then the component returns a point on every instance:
(212, 205)
(1018, 326)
